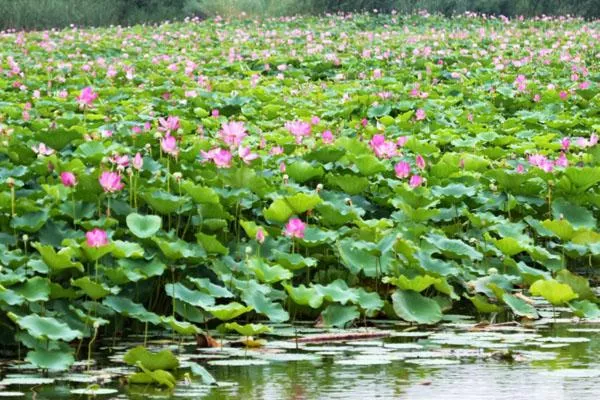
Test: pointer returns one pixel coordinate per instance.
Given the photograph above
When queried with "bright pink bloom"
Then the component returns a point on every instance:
(42, 149)
(215, 113)
(420, 162)
(87, 97)
(299, 129)
(246, 154)
(96, 238)
(260, 236)
(420, 114)
(381, 147)
(402, 141)
(415, 181)
(221, 157)
(593, 139)
(233, 133)
(68, 179)
(315, 120)
(520, 169)
(282, 167)
(168, 125)
(138, 161)
(295, 228)
(402, 169)
(562, 161)
(111, 181)
(169, 145)
(565, 143)
(276, 150)
(563, 95)
(327, 137)
(121, 161)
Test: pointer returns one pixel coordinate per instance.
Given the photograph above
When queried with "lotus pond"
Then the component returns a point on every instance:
(367, 173)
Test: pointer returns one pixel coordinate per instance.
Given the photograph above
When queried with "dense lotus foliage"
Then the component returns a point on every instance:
(197, 175)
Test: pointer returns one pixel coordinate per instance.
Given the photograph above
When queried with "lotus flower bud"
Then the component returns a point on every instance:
(248, 250)
(25, 238)
(492, 271)
(177, 176)
(319, 187)
(10, 182)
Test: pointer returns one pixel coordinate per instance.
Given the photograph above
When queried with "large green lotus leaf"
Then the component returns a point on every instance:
(147, 268)
(248, 329)
(251, 228)
(561, 228)
(163, 202)
(368, 164)
(336, 214)
(417, 283)
(302, 171)
(585, 309)
(293, 261)
(10, 297)
(181, 327)
(456, 190)
(143, 226)
(211, 244)
(178, 249)
(304, 296)
(159, 377)
(509, 246)
(325, 154)
(414, 307)
(95, 253)
(225, 312)
(94, 290)
(435, 265)
(57, 261)
(123, 249)
(152, 361)
(205, 285)
(578, 217)
(482, 304)
(379, 110)
(357, 259)
(30, 222)
(520, 307)
(34, 289)
(51, 360)
(200, 194)
(91, 151)
(279, 211)
(193, 297)
(454, 247)
(263, 305)
(205, 376)
(338, 292)
(268, 273)
(370, 302)
(46, 327)
(579, 284)
(314, 236)
(350, 184)
(555, 292)
(302, 202)
(492, 284)
(128, 308)
(339, 316)
(581, 179)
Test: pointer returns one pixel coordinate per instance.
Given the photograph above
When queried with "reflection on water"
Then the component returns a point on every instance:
(452, 363)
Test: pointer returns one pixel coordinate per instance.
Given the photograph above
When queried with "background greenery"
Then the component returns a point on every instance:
(37, 14)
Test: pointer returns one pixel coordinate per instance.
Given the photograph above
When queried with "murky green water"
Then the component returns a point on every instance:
(454, 361)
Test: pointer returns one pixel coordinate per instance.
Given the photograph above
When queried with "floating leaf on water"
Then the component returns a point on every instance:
(94, 391)
(26, 381)
(238, 362)
(431, 361)
(153, 361)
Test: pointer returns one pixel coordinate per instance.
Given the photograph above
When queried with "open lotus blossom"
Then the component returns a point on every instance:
(327, 137)
(315, 120)
(168, 144)
(420, 114)
(565, 143)
(138, 161)
(299, 129)
(168, 125)
(221, 157)
(96, 238)
(87, 97)
(260, 236)
(402, 141)
(68, 179)
(415, 181)
(562, 161)
(122, 162)
(541, 161)
(402, 169)
(232, 133)
(383, 148)
(246, 155)
(420, 161)
(111, 181)
(520, 169)
(42, 149)
(295, 228)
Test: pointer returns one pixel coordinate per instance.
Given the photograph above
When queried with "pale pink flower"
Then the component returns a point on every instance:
(233, 133)
(327, 137)
(260, 236)
(246, 154)
(402, 141)
(299, 129)
(295, 228)
(42, 149)
(110, 181)
(215, 113)
(87, 97)
(563, 95)
(68, 179)
(138, 161)
(168, 125)
(402, 170)
(565, 143)
(420, 114)
(282, 167)
(520, 169)
(381, 147)
(420, 161)
(276, 150)
(315, 120)
(169, 145)
(96, 238)
(415, 181)
(221, 157)
(562, 161)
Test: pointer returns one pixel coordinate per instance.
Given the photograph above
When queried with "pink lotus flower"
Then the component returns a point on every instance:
(565, 143)
(415, 181)
(260, 236)
(420, 114)
(563, 95)
(138, 161)
(68, 179)
(169, 145)
(233, 133)
(42, 149)
(381, 147)
(402, 169)
(562, 161)
(221, 157)
(282, 167)
(327, 137)
(215, 113)
(420, 161)
(315, 120)
(246, 154)
(276, 150)
(299, 129)
(295, 228)
(402, 141)
(122, 162)
(96, 238)
(87, 97)
(168, 125)
(111, 181)
(520, 169)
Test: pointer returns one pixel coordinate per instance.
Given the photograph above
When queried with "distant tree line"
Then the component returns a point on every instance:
(41, 14)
